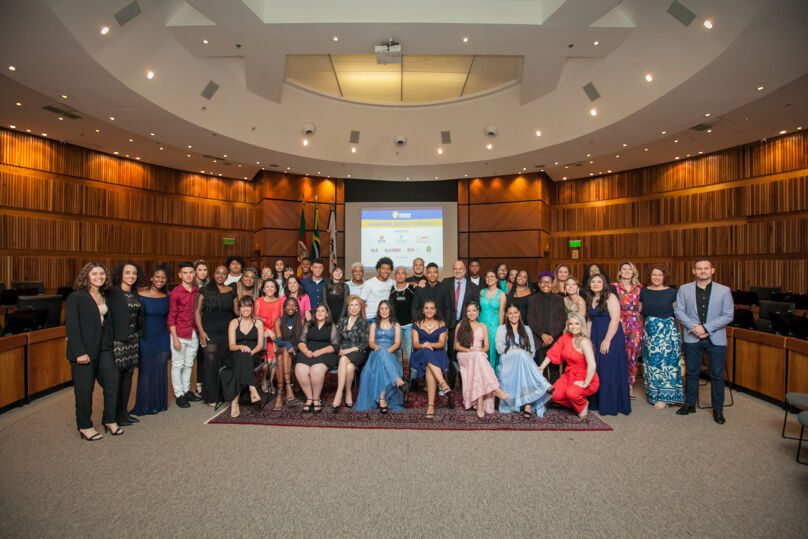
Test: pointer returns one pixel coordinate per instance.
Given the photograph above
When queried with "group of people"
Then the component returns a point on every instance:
(572, 342)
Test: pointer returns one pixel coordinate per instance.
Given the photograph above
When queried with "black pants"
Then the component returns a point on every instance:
(212, 363)
(716, 359)
(84, 376)
(200, 366)
(124, 390)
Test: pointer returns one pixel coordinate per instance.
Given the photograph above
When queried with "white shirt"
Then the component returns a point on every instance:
(373, 292)
(475, 280)
(355, 289)
(232, 279)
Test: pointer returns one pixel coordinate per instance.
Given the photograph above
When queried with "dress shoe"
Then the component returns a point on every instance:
(132, 419)
(123, 422)
(182, 402)
(718, 417)
(192, 398)
(684, 410)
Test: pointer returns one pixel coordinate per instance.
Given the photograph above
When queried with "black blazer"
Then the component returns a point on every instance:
(85, 334)
(119, 314)
(535, 317)
(438, 294)
(472, 293)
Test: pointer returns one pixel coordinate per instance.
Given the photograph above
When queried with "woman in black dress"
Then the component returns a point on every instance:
(246, 340)
(336, 292)
(214, 311)
(201, 279)
(89, 350)
(126, 318)
(318, 347)
(520, 293)
(353, 347)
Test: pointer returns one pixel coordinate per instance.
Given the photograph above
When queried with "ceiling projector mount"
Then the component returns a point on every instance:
(388, 52)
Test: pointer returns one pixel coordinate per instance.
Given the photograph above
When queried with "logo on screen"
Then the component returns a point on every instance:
(395, 215)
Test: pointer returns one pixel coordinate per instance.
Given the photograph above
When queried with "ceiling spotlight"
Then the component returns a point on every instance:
(189, 146)
(687, 155)
(489, 146)
(677, 157)
(591, 173)
(591, 162)
(220, 174)
(617, 156)
(706, 114)
(538, 133)
(64, 96)
(440, 151)
(761, 88)
(608, 172)
(335, 38)
(664, 132)
(187, 155)
(709, 130)
(204, 41)
(116, 153)
(625, 145)
(152, 134)
(593, 112)
(708, 24)
(287, 168)
(407, 178)
(104, 30)
(524, 169)
(18, 104)
(348, 175)
(112, 118)
(12, 68)
(589, 155)
(676, 140)
(162, 148)
(596, 43)
(305, 142)
(556, 162)
(649, 77)
(564, 178)
(13, 126)
(799, 128)
(645, 149)
(245, 177)
(131, 140)
(44, 134)
(60, 118)
(150, 74)
(138, 158)
(353, 149)
(465, 40)
(701, 153)
(783, 132)
(225, 155)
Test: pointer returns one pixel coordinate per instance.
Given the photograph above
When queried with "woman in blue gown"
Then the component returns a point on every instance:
(381, 383)
(606, 334)
(155, 347)
(429, 358)
(518, 373)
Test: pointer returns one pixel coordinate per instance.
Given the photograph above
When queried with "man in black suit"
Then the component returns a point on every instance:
(461, 291)
(547, 319)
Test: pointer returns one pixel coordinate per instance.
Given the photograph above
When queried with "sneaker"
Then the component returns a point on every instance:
(182, 402)
(192, 398)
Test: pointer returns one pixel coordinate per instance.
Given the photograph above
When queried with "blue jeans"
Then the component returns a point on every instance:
(406, 344)
(716, 359)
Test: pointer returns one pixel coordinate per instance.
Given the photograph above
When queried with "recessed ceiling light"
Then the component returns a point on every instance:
(64, 96)
(407, 178)
(624, 145)
(645, 149)
(436, 177)
(189, 146)
(783, 132)
(708, 24)
(131, 140)
(489, 146)
(116, 153)
(591, 162)
(564, 178)
(675, 140)
(214, 160)
(150, 74)
(204, 41)
(13, 126)
(591, 173)
(701, 153)
(287, 168)
(799, 128)
(566, 166)
(27, 130)
(245, 177)
(466, 176)
(761, 88)
(596, 43)
(556, 162)
(305, 142)
(649, 77)
(465, 40)
(348, 175)
(12, 68)
(687, 155)
(61, 118)
(104, 30)
(709, 130)
(162, 148)
(335, 38)
(138, 158)
(353, 149)
(524, 169)
(202, 171)
(664, 132)
(706, 114)
(44, 134)
(152, 134)
(18, 104)
(225, 155)
(538, 133)
(220, 174)
(608, 172)
(97, 130)
(187, 155)
(593, 112)
(112, 118)
(617, 156)
(677, 157)
(589, 155)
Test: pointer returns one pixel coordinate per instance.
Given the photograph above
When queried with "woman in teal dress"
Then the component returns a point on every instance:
(492, 311)
(381, 383)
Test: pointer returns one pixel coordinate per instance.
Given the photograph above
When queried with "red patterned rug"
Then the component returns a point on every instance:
(413, 417)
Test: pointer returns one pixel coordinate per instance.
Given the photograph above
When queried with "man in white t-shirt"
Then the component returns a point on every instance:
(234, 266)
(377, 288)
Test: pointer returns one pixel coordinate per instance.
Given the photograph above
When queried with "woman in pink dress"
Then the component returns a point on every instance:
(480, 383)
(628, 293)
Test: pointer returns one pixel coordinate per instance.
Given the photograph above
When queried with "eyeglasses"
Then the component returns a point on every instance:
(549, 283)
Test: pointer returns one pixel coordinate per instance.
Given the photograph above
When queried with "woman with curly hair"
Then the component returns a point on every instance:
(89, 350)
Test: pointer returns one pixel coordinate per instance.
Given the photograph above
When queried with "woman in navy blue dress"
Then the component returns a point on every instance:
(429, 358)
(606, 334)
(155, 346)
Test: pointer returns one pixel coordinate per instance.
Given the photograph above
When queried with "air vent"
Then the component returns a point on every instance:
(209, 90)
(207, 156)
(273, 166)
(446, 137)
(63, 110)
(591, 92)
(127, 13)
(354, 137)
(681, 13)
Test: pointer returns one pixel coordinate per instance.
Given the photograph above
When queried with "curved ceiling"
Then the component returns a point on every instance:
(581, 103)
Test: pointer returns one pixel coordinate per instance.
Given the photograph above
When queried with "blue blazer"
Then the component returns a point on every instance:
(720, 312)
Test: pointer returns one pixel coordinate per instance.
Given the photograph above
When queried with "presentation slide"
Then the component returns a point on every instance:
(403, 234)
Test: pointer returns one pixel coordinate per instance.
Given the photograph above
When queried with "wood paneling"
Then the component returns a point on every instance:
(797, 372)
(524, 243)
(760, 362)
(505, 189)
(12, 369)
(516, 216)
(47, 365)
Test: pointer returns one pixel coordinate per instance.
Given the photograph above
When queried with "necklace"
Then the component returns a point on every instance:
(429, 327)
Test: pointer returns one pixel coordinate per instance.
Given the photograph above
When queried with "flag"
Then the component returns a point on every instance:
(315, 236)
(302, 247)
(332, 238)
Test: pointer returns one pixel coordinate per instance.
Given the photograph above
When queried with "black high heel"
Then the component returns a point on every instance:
(117, 432)
(307, 408)
(94, 438)
(317, 407)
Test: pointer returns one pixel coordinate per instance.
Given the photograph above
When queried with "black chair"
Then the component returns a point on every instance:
(8, 297)
(794, 403)
(764, 292)
(769, 308)
(779, 325)
(64, 291)
(803, 419)
(744, 318)
(797, 325)
(800, 301)
(2, 286)
(25, 321)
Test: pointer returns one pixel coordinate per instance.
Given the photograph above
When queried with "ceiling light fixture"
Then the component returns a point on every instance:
(440, 151)
(18, 104)
(44, 134)
(617, 156)
(649, 77)
(524, 169)
(596, 43)
(783, 132)
(608, 172)
(104, 30)
(335, 38)
(131, 140)
(204, 41)
(538, 133)
(708, 24)
(799, 128)
(564, 178)
(761, 88)
(12, 68)
(489, 146)
(677, 157)
(12, 126)
(138, 158)
(348, 175)
(436, 177)
(116, 153)
(645, 149)
(556, 162)
(675, 140)
(664, 132)
(150, 74)
(305, 142)
(701, 153)
(112, 118)
(706, 114)
(64, 96)
(465, 40)
(152, 134)
(60, 118)
(353, 149)
(625, 145)
(589, 155)
(162, 148)
(593, 112)
(189, 146)
(709, 130)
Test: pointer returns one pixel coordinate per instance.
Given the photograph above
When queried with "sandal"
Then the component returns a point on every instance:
(307, 407)
(525, 414)
(94, 438)
(116, 432)
(317, 407)
(446, 389)
(234, 410)
(287, 379)
(278, 402)
(430, 415)
(255, 397)
(383, 409)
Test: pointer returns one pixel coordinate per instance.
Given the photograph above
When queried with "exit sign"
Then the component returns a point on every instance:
(229, 241)
(575, 244)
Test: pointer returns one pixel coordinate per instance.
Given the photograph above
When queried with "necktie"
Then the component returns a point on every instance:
(457, 295)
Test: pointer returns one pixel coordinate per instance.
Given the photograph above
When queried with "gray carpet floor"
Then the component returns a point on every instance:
(657, 474)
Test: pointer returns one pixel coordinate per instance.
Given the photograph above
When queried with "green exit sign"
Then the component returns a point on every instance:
(229, 241)
(575, 244)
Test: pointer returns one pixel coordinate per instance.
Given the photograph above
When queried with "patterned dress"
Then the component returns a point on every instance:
(662, 352)
(632, 325)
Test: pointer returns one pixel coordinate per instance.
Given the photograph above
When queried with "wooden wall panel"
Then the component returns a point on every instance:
(797, 372)
(517, 244)
(47, 366)
(505, 189)
(514, 216)
(462, 218)
(279, 186)
(12, 369)
(463, 245)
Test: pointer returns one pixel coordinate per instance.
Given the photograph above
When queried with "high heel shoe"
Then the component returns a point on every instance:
(446, 389)
(430, 415)
(307, 408)
(94, 438)
(317, 407)
(116, 432)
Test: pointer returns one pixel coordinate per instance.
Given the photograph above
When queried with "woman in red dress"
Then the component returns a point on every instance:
(268, 309)
(580, 378)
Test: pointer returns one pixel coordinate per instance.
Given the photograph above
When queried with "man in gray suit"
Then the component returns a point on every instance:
(704, 308)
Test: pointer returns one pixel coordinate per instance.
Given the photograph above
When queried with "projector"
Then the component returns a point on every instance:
(389, 53)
